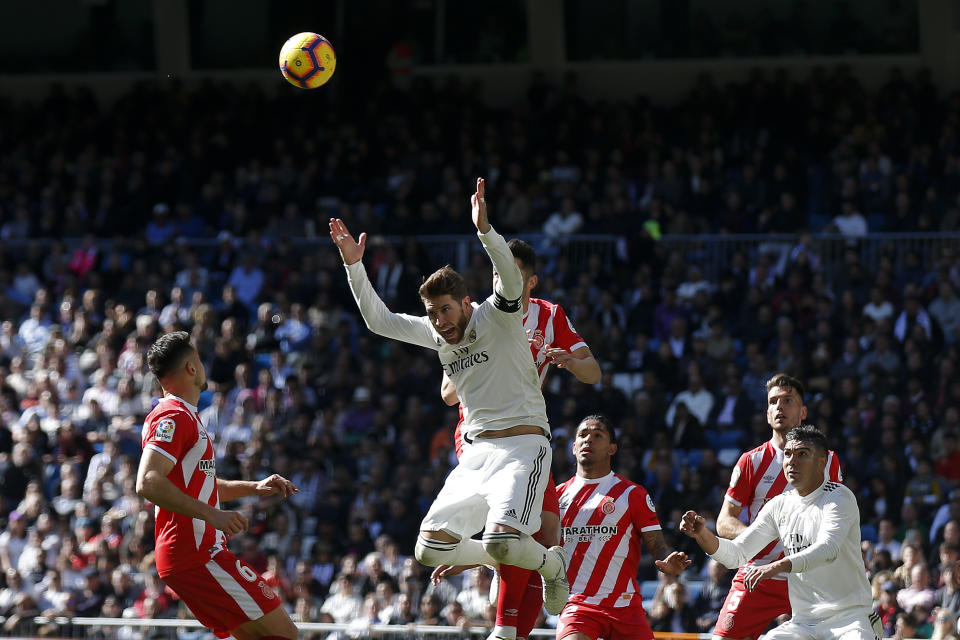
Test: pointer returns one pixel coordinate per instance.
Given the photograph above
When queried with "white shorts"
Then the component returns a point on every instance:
(845, 626)
(498, 481)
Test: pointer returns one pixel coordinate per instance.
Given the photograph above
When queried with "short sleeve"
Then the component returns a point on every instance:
(740, 491)
(170, 434)
(643, 511)
(564, 335)
(834, 474)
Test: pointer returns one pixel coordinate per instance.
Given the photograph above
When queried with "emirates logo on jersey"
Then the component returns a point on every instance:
(538, 340)
(608, 505)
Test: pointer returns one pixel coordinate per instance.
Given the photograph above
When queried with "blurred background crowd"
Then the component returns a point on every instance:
(176, 209)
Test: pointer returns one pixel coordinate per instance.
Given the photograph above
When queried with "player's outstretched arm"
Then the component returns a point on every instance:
(376, 315)
(154, 485)
(672, 563)
(272, 485)
(508, 288)
(695, 526)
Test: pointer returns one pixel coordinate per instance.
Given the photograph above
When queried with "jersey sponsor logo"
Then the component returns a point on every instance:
(830, 486)
(590, 532)
(511, 513)
(466, 360)
(209, 467)
(650, 504)
(164, 431)
(735, 476)
(794, 543)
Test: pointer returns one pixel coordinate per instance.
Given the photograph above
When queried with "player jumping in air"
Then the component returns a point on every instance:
(553, 340)
(498, 485)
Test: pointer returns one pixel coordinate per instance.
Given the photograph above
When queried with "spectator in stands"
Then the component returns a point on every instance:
(919, 592)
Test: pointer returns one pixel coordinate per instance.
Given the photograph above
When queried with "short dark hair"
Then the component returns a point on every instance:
(169, 352)
(809, 434)
(786, 380)
(523, 252)
(603, 421)
(444, 281)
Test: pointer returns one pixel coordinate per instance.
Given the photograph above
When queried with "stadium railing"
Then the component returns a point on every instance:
(711, 252)
(166, 628)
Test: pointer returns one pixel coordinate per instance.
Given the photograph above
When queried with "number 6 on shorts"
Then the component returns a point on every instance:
(249, 574)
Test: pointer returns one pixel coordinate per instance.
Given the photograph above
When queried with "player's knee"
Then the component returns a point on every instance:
(429, 555)
(498, 549)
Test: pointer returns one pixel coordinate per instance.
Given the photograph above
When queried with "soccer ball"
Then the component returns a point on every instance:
(307, 60)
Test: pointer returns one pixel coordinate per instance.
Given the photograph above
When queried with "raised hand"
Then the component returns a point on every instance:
(351, 251)
(479, 208)
(673, 564)
(276, 484)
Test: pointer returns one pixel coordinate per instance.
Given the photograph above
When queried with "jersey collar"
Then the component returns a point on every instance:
(185, 403)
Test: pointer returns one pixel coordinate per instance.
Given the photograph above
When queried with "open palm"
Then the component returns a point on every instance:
(351, 251)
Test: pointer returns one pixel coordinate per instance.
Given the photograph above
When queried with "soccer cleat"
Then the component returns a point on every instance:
(556, 590)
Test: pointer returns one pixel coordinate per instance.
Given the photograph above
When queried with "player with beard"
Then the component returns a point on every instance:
(758, 478)
(553, 340)
(177, 474)
(499, 484)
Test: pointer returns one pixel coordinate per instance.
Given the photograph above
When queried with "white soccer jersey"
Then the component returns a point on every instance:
(820, 534)
(496, 378)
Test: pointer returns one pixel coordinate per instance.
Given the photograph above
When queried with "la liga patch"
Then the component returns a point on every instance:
(164, 430)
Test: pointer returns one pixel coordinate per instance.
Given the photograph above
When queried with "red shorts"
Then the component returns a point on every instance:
(747, 614)
(224, 593)
(609, 623)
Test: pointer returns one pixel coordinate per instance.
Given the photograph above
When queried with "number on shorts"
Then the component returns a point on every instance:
(735, 597)
(248, 574)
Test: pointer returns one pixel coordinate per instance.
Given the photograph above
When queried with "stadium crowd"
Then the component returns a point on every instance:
(189, 212)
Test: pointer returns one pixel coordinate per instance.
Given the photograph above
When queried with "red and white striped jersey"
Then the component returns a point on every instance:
(547, 324)
(757, 479)
(601, 520)
(173, 429)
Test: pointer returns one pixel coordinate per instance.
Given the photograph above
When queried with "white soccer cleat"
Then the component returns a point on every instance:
(556, 590)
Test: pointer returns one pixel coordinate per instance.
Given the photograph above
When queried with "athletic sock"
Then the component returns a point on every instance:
(513, 585)
(530, 606)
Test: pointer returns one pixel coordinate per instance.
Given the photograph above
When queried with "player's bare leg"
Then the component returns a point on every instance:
(275, 625)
